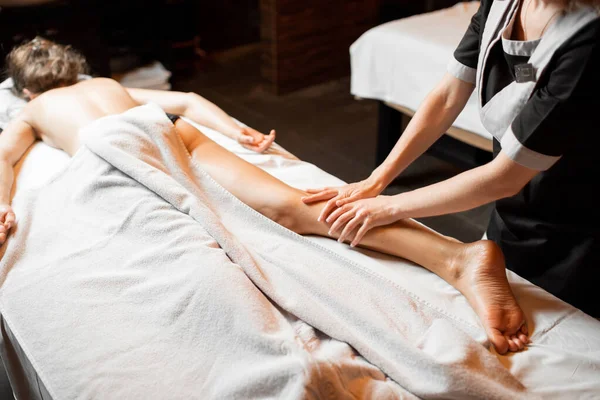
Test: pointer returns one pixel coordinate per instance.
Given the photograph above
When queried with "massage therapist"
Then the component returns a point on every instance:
(535, 66)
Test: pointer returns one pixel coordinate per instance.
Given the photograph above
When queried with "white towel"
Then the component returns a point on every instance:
(135, 274)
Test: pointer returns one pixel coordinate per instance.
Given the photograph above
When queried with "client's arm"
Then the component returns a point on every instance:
(202, 111)
(14, 141)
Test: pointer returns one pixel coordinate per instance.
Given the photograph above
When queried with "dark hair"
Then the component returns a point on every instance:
(41, 65)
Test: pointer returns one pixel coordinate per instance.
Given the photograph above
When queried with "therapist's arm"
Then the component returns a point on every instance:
(495, 180)
(433, 118)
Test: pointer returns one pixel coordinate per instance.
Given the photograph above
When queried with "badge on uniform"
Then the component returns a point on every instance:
(524, 73)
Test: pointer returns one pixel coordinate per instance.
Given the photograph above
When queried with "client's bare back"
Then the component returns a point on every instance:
(58, 115)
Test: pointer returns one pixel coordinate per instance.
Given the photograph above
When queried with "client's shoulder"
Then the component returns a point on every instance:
(80, 88)
(100, 82)
(94, 88)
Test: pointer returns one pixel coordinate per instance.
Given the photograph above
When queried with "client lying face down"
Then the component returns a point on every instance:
(60, 107)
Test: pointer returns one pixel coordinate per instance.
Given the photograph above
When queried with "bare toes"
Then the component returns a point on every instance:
(517, 341)
(523, 338)
(524, 329)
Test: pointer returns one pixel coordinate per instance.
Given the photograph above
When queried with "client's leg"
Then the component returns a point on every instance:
(476, 270)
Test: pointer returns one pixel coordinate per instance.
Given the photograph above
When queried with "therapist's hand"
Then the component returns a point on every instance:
(339, 196)
(361, 216)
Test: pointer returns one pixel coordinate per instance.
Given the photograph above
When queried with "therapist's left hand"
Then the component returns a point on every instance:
(362, 216)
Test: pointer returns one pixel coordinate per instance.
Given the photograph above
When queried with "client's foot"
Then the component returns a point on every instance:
(481, 277)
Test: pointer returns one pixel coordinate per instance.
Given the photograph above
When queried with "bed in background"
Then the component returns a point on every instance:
(399, 63)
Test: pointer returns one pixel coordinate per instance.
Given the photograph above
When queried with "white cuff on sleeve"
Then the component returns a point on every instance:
(524, 156)
(461, 71)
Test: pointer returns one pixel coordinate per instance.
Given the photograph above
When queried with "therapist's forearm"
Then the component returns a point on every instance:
(436, 114)
(465, 191)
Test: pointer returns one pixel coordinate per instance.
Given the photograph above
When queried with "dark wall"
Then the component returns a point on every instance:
(395, 9)
(306, 42)
(102, 30)
(61, 21)
(228, 23)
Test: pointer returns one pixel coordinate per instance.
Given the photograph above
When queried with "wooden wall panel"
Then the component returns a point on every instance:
(306, 42)
(268, 41)
(225, 24)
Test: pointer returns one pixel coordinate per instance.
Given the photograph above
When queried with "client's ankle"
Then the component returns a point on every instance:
(456, 266)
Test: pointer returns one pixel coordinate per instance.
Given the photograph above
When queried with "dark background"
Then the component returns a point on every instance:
(118, 35)
(134, 31)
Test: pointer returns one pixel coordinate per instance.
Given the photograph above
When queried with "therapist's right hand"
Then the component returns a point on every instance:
(338, 196)
(7, 220)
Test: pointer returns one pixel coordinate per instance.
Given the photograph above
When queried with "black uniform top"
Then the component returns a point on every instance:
(550, 231)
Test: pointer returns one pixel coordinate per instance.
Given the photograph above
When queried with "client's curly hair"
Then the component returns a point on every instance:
(41, 65)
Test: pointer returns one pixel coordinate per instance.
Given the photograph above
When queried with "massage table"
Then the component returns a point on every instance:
(562, 361)
(400, 62)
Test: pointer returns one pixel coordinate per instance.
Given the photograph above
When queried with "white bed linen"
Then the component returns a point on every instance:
(401, 61)
(563, 360)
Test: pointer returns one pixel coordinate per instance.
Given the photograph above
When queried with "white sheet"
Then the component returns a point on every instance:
(401, 61)
(562, 362)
